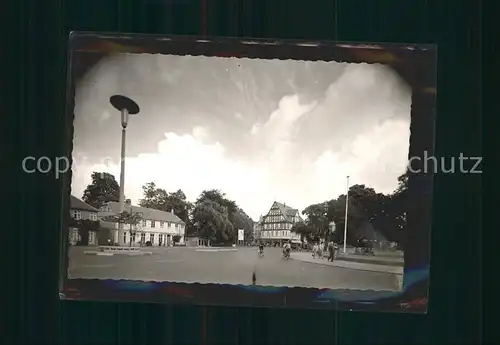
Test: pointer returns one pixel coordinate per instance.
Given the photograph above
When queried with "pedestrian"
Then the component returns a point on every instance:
(331, 251)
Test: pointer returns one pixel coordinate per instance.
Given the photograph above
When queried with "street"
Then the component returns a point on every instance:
(180, 264)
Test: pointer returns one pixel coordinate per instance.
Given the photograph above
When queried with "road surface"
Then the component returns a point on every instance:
(180, 264)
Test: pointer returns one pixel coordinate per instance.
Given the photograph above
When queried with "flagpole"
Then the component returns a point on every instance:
(345, 219)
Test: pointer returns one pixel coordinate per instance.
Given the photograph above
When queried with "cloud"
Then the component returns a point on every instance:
(329, 121)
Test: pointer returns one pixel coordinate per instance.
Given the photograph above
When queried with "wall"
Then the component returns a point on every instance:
(157, 235)
(74, 236)
(83, 214)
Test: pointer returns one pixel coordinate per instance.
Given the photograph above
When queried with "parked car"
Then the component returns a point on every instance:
(149, 244)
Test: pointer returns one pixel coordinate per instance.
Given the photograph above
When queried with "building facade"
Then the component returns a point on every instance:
(80, 210)
(257, 229)
(276, 225)
(157, 227)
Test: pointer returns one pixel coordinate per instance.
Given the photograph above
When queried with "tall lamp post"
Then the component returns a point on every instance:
(345, 219)
(126, 107)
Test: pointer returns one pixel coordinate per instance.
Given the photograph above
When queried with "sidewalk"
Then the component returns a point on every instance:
(363, 266)
(372, 259)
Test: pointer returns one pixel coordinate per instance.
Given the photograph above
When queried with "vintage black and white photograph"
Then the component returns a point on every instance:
(241, 171)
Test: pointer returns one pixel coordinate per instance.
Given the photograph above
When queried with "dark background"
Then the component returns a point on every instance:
(35, 79)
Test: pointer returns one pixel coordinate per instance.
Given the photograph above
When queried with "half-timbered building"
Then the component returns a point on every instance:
(277, 225)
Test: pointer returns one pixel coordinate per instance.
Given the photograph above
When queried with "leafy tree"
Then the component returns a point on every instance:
(334, 210)
(317, 220)
(159, 199)
(229, 217)
(242, 221)
(212, 223)
(305, 231)
(398, 208)
(133, 219)
(103, 188)
(176, 238)
(385, 213)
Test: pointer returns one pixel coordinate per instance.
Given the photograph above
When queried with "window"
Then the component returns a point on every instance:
(91, 237)
(76, 214)
(153, 223)
(125, 237)
(132, 238)
(105, 208)
(144, 222)
(160, 237)
(143, 236)
(161, 224)
(152, 238)
(93, 216)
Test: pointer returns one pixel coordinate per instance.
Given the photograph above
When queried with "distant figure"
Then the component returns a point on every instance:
(331, 251)
(254, 278)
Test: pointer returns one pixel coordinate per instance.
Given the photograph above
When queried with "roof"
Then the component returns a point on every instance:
(147, 213)
(287, 211)
(77, 204)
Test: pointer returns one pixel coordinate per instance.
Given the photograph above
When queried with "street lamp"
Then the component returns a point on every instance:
(126, 107)
(345, 220)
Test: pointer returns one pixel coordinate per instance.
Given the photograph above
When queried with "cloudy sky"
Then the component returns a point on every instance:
(259, 130)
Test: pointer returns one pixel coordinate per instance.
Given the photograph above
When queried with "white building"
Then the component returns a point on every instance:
(158, 227)
(277, 224)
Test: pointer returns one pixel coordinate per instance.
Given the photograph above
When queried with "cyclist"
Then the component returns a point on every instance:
(286, 249)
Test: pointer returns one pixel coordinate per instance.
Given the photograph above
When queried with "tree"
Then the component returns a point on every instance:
(159, 199)
(212, 223)
(176, 238)
(305, 231)
(242, 221)
(397, 209)
(317, 220)
(133, 219)
(226, 217)
(103, 188)
(335, 211)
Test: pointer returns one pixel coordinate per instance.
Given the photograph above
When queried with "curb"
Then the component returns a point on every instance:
(112, 254)
(372, 261)
(216, 250)
(319, 262)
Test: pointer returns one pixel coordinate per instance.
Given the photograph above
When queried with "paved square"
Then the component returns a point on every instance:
(180, 264)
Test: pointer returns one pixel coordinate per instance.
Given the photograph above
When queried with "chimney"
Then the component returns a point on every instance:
(172, 211)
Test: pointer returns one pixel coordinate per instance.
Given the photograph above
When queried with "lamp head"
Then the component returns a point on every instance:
(126, 106)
